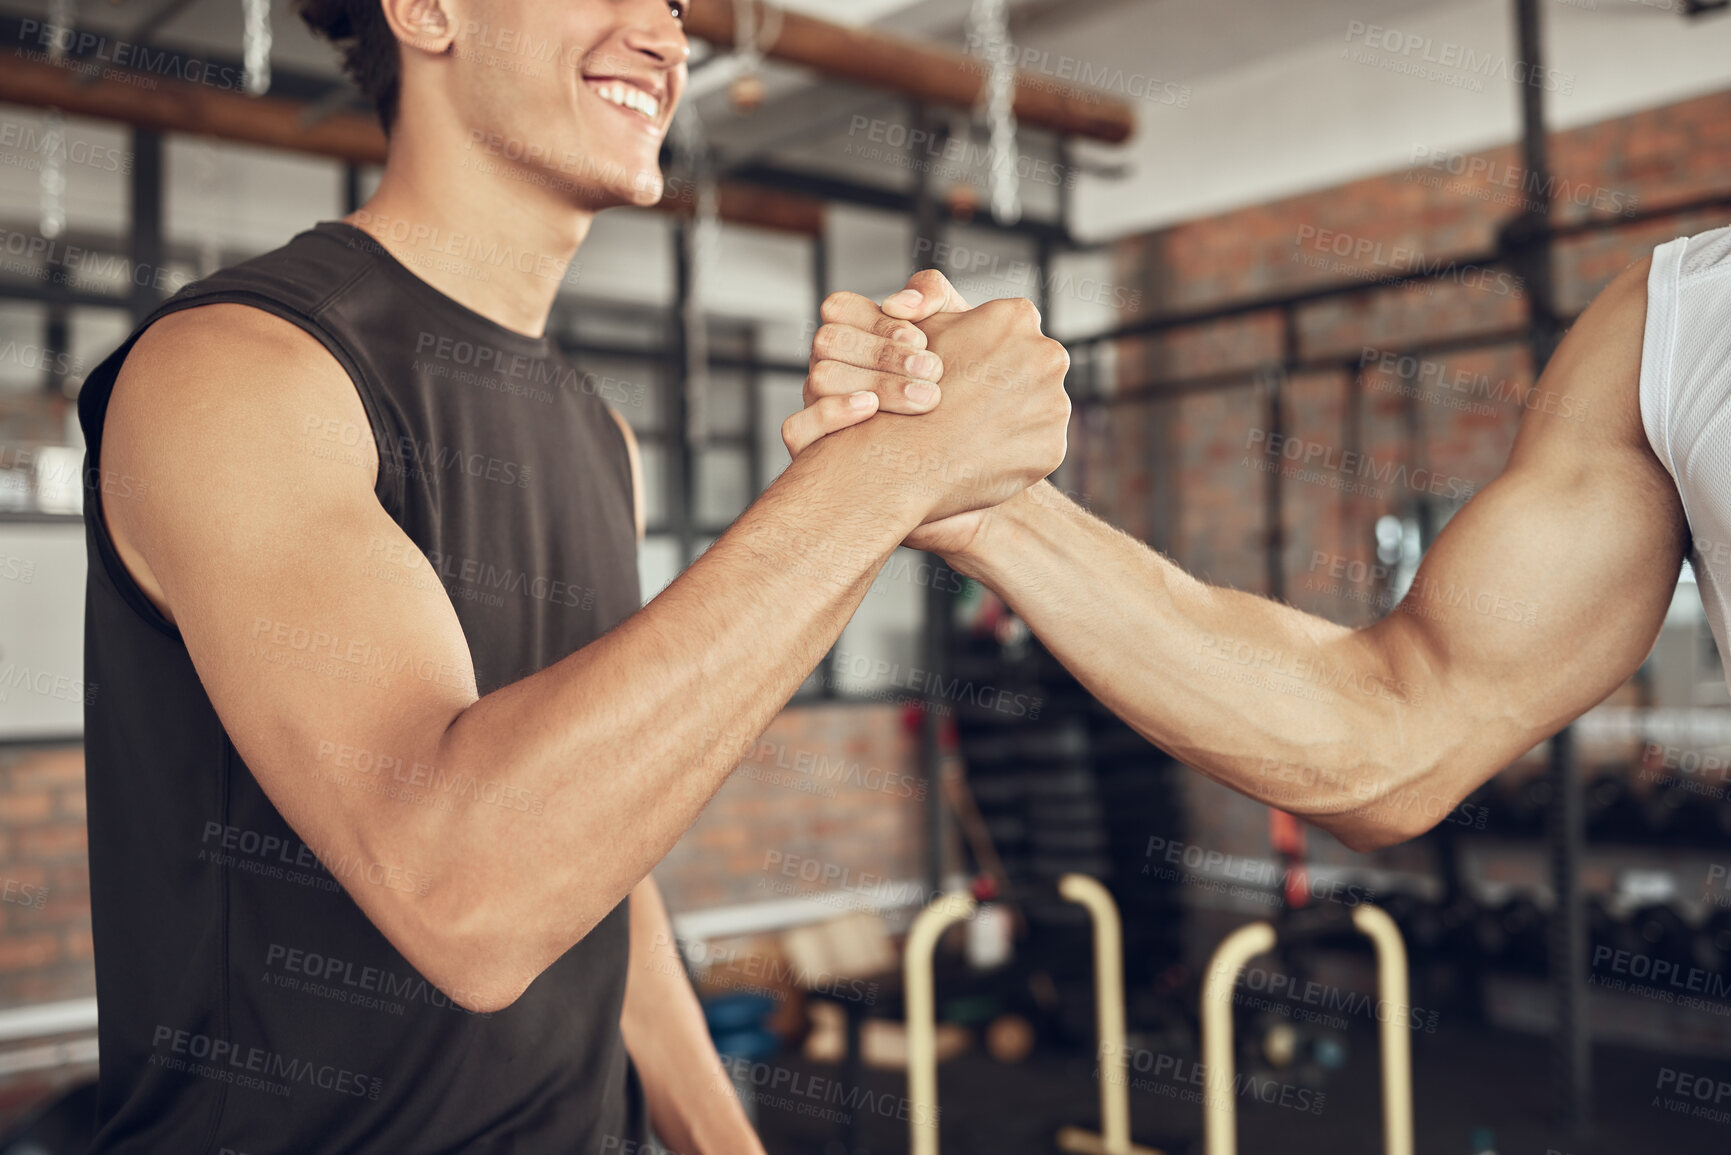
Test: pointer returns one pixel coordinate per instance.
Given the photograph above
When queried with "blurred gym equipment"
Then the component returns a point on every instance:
(1219, 1108)
(1114, 1138)
(928, 927)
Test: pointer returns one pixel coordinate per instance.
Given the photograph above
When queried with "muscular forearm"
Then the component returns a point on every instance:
(622, 743)
(1542, 594)
(691, 1100)
(1280, 705)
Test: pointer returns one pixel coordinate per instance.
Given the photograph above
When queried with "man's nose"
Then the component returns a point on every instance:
(653, 30)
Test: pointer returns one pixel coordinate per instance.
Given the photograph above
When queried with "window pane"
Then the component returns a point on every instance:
(782, 396)
(657, 564)
(629, 385)
(725, 409)
(723, 486)
(23, 361)
(94, 334)
(655, 509)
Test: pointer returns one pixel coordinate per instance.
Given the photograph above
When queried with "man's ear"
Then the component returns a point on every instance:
(426, 25)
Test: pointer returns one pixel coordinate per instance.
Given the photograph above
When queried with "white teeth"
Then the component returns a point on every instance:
(626, 96)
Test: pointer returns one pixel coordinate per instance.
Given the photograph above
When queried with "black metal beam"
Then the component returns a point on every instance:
(904, 202)
(56, 340)
(144, 32)
(55, 293)
(681, 485)
(1530, 240)
(1274, 301)
(1136, 393)
(146, 249)
(673, 357)
(1242, 378)
(929, 216)
(1066, 188)
(753, 417)
(1273, 381)
(1527, 239)
(1500, 256)
(1571, 1042)
(827, 687)
(352, 198)
(168, 61)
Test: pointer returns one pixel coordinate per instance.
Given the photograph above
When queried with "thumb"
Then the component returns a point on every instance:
(929, 293)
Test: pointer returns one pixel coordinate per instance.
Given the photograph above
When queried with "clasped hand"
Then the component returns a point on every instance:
(966, 405)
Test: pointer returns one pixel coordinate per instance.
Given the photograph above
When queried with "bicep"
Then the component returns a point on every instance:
(321, 634)
(1548, 589)
(1542, 596)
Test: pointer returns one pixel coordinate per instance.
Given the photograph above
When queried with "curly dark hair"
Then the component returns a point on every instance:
(359, 29)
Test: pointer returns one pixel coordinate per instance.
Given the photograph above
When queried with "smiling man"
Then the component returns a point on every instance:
(385, 748)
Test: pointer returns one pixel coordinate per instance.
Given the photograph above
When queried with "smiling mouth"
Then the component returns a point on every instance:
(629, 97)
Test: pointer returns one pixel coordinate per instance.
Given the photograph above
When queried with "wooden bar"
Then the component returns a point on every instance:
(923, 71)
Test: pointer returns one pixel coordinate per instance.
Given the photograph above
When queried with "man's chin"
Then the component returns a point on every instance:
(646, 189)
(643, 191)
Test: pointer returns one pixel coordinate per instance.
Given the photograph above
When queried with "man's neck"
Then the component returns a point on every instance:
(470, 226)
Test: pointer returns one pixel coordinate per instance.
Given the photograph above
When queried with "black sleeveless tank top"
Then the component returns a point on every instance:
(247, 1006)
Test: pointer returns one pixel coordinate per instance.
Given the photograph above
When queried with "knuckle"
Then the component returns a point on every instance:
(1057, 356)
(834, 306)
(891, 385)
(888, 327)
(822, 377)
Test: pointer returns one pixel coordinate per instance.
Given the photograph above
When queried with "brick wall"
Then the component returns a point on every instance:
(829, 791)
(1182, 471)
(45, 947)
(44, 878)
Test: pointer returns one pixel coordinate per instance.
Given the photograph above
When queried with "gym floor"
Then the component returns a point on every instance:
(1452, 1070)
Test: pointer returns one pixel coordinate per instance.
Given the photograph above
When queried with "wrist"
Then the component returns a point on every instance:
(845, 466)
(992, 549)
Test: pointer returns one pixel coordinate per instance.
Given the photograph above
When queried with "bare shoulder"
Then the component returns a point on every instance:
(224, 363)
(1583, 427)
(1590, 395)
(217, 411)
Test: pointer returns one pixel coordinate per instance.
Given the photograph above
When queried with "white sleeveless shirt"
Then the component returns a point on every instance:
(1686, 402)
